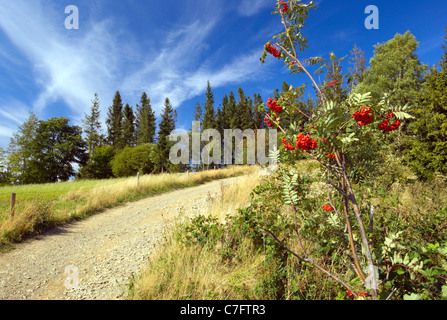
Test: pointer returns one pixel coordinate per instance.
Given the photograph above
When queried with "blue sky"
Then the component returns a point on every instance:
(171, 48)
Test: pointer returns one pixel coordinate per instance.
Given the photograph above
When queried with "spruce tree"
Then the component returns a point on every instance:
(209, 117)
(198, 112)
(244, 112)
(357, 60)
(258, 115)
(333, 86)
(129, 132)
(231, 112)
(115, 122)
(167, 125)
(145, 121)
(92, 126)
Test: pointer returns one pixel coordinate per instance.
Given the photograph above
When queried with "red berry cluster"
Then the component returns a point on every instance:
(287, 145)
(360, 294)
(385, 125)
(304, 142)
(329, 155)
(363, 117)
(274, 105)
(328, 208)
(272, 50)
(285, 6)
(268, 120)
(331, 84)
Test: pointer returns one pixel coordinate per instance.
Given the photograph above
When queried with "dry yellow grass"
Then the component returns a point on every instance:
(177, 272)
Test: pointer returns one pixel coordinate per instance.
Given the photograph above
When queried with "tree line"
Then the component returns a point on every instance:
(46, 151)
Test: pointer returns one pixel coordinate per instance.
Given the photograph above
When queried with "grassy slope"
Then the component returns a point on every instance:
(39, 207)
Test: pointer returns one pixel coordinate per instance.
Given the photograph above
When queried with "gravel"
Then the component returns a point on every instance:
(96, 258)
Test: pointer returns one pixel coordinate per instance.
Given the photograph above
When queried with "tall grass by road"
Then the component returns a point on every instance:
(40, 207)
(194, 272)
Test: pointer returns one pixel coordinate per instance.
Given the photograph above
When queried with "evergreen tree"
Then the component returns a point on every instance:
(231, 113)
(244, 114)
(223, 118)
(198, 112)
(333, 86)
(276, 94)
(160, 154)
(129, 132)
(427, 144)
(146, 125)
(285, 86)
(220, 120)
(92, 126)
(357, 60)
(258, 115)
(115, 122)
(209, 117)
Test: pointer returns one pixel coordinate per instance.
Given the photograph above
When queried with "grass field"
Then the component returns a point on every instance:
(39, 207)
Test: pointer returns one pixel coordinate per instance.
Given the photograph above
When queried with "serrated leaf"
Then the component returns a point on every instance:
(402, 115)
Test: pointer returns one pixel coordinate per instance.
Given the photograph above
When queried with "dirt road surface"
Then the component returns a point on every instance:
(94, 259)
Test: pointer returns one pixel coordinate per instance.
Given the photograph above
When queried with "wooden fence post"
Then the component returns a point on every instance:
(138, 179)
(13, 204)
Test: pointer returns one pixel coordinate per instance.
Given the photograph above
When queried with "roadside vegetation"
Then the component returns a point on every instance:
(226, 253)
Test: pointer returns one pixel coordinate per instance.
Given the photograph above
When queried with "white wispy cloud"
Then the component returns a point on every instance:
(249, 8)
(72, 65)
(179, 70)
(65, 68)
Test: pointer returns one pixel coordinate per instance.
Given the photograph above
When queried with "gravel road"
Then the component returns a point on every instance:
(95, 258)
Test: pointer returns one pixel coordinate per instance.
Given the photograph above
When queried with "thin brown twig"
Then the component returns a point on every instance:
(310, 261)
(296, 57)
